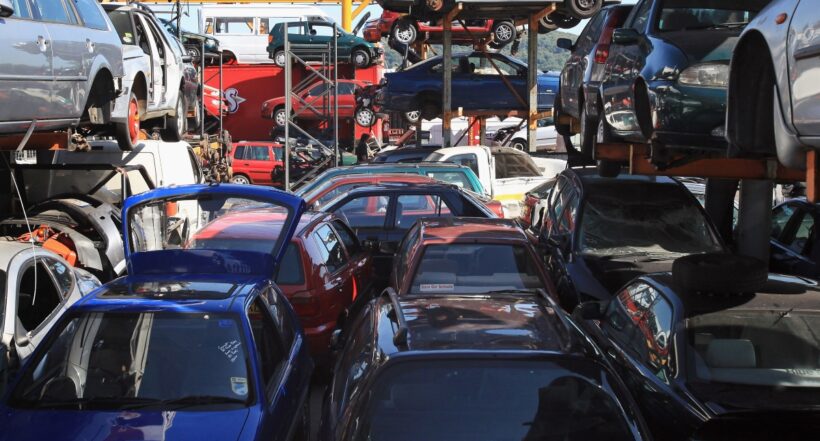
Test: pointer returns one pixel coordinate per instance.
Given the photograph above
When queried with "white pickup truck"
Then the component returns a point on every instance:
(505, 172)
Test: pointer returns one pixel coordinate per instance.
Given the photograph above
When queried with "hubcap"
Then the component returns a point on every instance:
(435, 5)
(518, 146)
(280, 58)
(359, 59)
(413, 115)
(180, 117)
(503, 33)
(586, 4)
(280, 118)
(405, 34)
(364, 118)
(133, 121)
(239, 180)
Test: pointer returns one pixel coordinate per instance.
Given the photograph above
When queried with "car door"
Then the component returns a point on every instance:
(804, 79)
(171, 62)
(27, 82)
(359, 268)
(347, 99)
(793, 240)
(238, 34)
(368, 216)
(572, 77)
(320, 35)
(316, 105)
(69, 46)
(258, 163)
(557, 232)
(337, 280)
(159, 52)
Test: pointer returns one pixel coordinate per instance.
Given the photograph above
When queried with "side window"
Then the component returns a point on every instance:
(798, 238)
(352, 359)
(331, 248)
(450, 177)
(21, 9)
(364, 211)
(590, 35)
(467, 159)
(317, 90)
(569, 208)
(156, 33)
(411, 207)
(641, 321)
(269, 349)
(406, 245)
(260, 153)
(780, 219)
(239, 152)
(346, 88)
(321, 31)
(281, 318)
(349, 239)
(297, 28)
(52, 10)
(90, 14)
(278, 153)
(62, 275)
(234, 26)
(640, 16)
(38, 295)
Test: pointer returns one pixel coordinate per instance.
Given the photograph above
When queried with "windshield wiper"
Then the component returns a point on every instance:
(196, 400)
(85, 403)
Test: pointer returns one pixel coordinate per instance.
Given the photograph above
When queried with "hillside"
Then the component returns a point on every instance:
(550, 57)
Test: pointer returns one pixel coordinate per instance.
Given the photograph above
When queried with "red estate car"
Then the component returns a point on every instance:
(324, 269)
(467, 256)
(313, 102)
(253, 162)
(405, 30)
(342, 184)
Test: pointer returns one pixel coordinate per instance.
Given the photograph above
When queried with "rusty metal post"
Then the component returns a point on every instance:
(288, 106)
(532, 83)
(447, 89)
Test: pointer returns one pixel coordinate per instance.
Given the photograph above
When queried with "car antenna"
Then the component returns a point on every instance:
(25, 214)
(400, 337)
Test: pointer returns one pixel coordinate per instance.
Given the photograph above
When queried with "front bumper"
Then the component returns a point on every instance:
(688, 116)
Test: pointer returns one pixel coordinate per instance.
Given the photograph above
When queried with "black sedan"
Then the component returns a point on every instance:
(794, 243)
(730, 361)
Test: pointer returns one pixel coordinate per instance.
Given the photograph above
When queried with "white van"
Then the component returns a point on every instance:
(243, 30)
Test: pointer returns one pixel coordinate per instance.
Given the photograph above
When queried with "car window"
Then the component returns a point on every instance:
(267, 23)
(90, 14)
(406, 245)
(364, 211)
(452, 177)
(640, 320)
(330, 247)
(21, 9)
(589, 37)
(155, 34)
(640, 16)
(480, 65)
(278, 153)
(456, 65)
(568, 206)
(349, 239)
(780, 219)
(266, 340)
(234, 26)
(346, 88)
(681, 16)
(321, 30)
(349, 368)
(62, 275)
(803, 230)
(239, 152)
(38, 296)
(281, 317)
(466, 159)
(260, 153)
(290, 271)
(52, 10)
(296, 28)
(411, 207)
(317, 90)
(512, 165)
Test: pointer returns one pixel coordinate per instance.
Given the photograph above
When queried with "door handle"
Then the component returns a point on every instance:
(89, 44)
(42, 43)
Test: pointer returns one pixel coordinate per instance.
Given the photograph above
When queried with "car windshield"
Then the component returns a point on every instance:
(156, 360)
(681, 15)
(774, 348)
(471, 268)
(640, 218)
(504, 400)
(514, 165)
(104, 183)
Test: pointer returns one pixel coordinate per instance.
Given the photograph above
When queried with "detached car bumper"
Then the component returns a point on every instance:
(688, 115)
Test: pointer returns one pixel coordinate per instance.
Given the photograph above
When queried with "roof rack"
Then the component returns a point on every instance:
(400, 337)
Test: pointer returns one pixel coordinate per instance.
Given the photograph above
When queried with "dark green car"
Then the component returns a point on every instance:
(320, 34)
(193, 41)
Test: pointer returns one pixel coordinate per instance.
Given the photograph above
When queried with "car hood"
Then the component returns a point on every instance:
(56, 425)
(613, 274)
(705, 46)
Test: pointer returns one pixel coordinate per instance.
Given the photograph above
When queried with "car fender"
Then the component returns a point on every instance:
(132, 67)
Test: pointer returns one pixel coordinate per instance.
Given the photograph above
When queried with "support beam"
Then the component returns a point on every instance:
(360, 8)
(447, 80)
(812, 185)
(347, 15)
(754, 224)
(532, 84)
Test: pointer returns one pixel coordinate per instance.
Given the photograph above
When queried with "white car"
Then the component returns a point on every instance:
(516, 136)
(154, 85)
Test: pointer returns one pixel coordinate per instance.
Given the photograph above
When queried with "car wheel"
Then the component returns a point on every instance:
(412, 116)
(435, 5)
(128, 132)
(558, 111)
(279, 58)
(588, 132)
(602, 134)
(360, 58)
(175, 126)
(280, 118)
(519, 144)
(430, 110)
(582, 8)
(194, 53)
(547, 24)
(503, 32)
(405, 32)
(196, 120)
(240, 179)
(365, 117)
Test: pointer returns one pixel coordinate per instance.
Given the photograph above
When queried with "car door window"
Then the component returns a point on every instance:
(330, 247)
(317, 90)
(466, 159)
(456, 178)
(62, 276)
(480, 65)
(281, 318)
(364, 211)
(569, 209)
(234, 26)
(640, 320)
(21, 9)
(780, 220)
(318, 30)
(260, 153)
(90, 14)
(53, 11)
(269, 349)
(349, 239)
(296, 28)
(38, 295)
(239, 152)
(346, 88)
(799, 233)
(290, 271)
(348, 370)
(589, 36)
(158, 38)
(411, 207)
(640, 16)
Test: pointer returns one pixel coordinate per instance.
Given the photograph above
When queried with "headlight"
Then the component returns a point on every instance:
(706, 75)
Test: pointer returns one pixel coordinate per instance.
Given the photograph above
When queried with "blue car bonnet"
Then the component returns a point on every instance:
(209, 229)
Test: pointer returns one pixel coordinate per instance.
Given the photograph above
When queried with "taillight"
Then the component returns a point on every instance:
(496, 207)
(601, 53)
(305, 305)
(270, 38)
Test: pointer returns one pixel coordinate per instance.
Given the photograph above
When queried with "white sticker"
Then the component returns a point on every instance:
(239, 385)
(436, 287)
(230, 349)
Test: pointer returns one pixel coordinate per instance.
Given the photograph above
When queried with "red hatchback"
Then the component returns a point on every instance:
(314, 103)
(253, 162)
(406, 30)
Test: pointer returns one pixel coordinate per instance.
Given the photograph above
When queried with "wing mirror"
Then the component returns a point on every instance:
(564, 43)
(388, 247)
(6, 8)
(187, 58)
(625, 36)
(592, 310)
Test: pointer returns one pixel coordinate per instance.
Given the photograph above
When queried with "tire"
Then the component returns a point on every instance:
(582, 8)
(556, 20)
(519, 144)
(240, 179)
(719, 273)
(280, 118)
(588, 132)
(557, 110)
(404, 32)
(194, 53)
(176, 126)
(435, 5)
(608, 169)
(503, 32)
(128, 133)
(429, 110)
(412, 116)
(547, 24)
(365, 117)
(360, 58)
(196, 120)
(279, 58)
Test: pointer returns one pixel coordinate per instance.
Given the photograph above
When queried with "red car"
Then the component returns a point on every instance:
(406, 30)
(253, 162)
(313, 102)
(467, 256)
(324, 269)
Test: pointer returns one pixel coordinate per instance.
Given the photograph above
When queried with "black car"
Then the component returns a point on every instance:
(381, 214)
(405, 154)
(668, 70)
(582, 74)
(794, 243)
(473, 368)
(715, 350)
(599, 233)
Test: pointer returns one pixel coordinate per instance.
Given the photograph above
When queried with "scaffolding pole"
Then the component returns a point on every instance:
(288, 81)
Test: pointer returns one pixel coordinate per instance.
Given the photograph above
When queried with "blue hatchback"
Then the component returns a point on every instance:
(197, 342)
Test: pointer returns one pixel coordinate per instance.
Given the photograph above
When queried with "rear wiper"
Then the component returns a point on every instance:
(732, 25)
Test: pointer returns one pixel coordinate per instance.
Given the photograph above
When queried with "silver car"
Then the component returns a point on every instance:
(774, 83)
(60, 64)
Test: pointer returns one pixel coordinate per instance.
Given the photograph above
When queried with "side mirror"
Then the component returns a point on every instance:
(592, 310)
(564, 43)
(187, 58)
(6, 8)
(22, 340)
(388, 247)
(625, 36)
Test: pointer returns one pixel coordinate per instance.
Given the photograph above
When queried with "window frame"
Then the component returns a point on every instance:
(24, 265)
(323, 246)
(269, 385)
(69, 12)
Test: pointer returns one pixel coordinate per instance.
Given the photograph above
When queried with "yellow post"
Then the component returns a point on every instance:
(347, 16)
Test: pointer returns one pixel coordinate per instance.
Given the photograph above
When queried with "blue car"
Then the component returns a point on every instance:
(195, 343)
(477, 85)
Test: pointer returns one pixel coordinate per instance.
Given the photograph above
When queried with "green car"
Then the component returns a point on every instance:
(319, 34)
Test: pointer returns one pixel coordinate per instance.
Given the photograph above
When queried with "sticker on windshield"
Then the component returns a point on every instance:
(436, 287)
(239, 386)
(230, 349)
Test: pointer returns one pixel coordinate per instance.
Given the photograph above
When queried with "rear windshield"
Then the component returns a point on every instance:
(505, 400)
(475, 269)
(512, 165)
(680, 15)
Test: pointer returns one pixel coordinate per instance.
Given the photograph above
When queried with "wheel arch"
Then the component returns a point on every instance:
(140, 88)
(102, 91)
(748, 71)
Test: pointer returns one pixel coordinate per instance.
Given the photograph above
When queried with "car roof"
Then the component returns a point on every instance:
(468, 229)
(590, 176)
(368, 177)
(258, 143)
(403, 165)
(389, 186)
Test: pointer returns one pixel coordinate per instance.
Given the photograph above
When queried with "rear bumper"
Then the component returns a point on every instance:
(688, 116)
